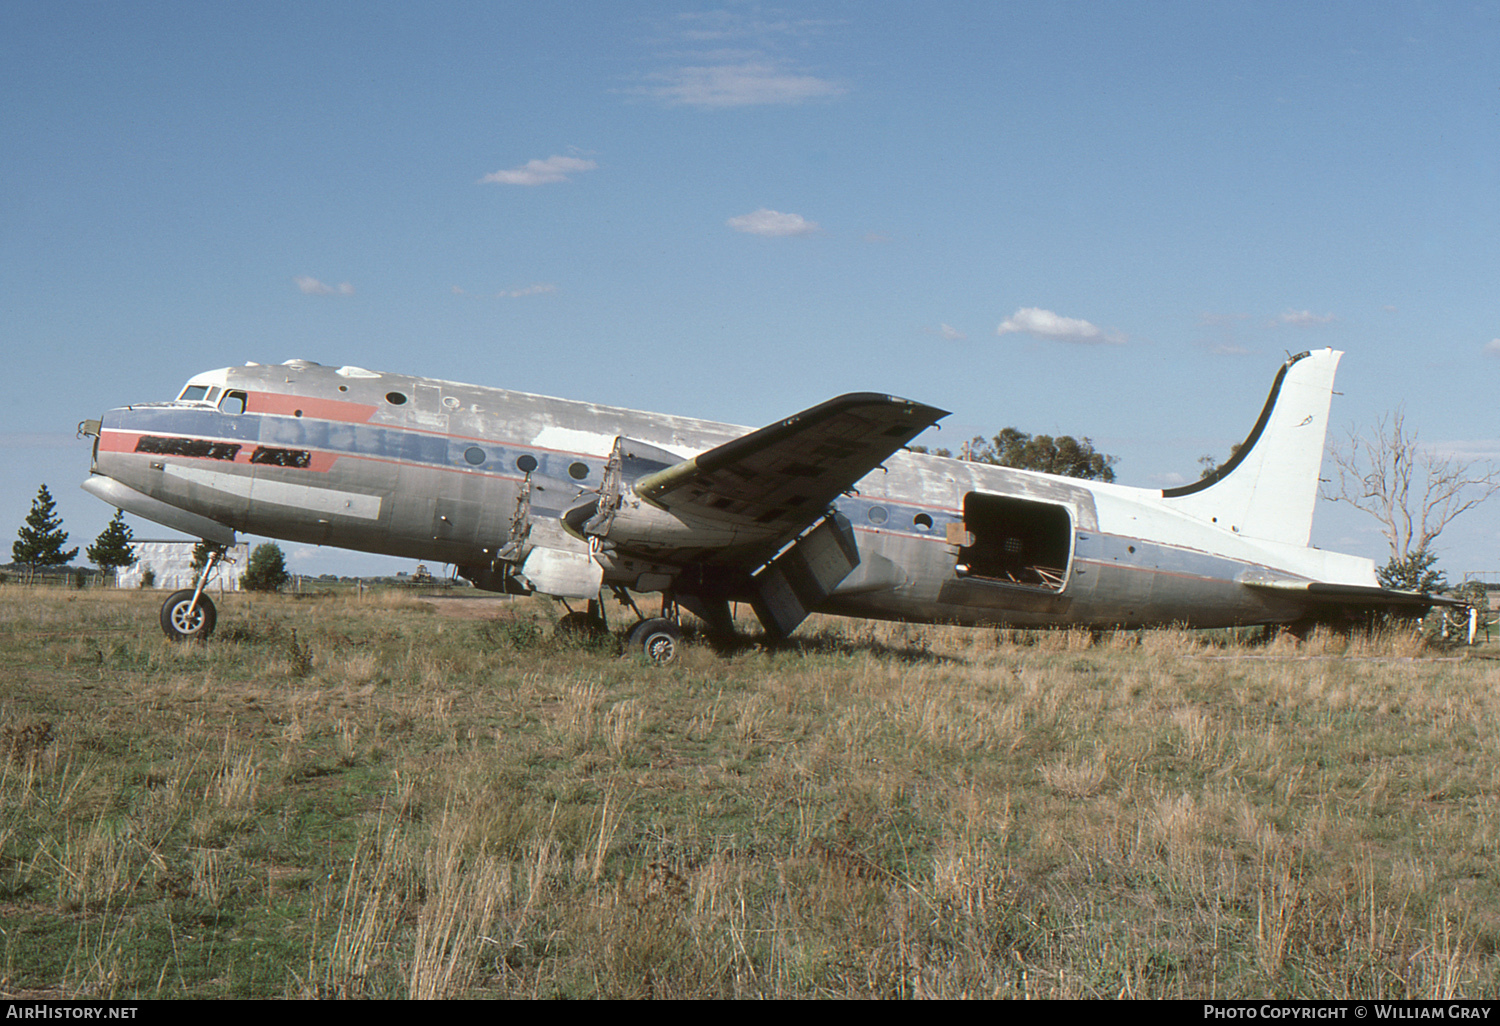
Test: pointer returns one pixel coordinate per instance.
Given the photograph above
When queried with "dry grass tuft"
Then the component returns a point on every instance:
(1077, 778)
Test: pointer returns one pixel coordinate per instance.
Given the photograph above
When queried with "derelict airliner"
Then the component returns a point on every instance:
(823, 511)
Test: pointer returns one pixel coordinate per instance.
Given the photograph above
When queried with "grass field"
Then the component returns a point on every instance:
(365, 798)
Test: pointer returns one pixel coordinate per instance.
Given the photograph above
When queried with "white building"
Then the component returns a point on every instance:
(172, 564)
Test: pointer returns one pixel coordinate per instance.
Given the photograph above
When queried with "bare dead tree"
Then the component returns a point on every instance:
(1413, 491)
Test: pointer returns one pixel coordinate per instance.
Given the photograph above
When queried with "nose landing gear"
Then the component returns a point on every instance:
(189, 615)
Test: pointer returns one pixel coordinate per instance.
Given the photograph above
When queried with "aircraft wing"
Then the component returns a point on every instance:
(777, 480)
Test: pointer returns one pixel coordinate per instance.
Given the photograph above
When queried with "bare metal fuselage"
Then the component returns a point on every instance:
(466, 475)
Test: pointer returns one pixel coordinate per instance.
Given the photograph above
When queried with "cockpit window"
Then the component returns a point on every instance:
(193, 394)
(233, 402)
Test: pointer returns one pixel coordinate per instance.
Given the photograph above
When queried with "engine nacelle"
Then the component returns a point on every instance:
(637, 524)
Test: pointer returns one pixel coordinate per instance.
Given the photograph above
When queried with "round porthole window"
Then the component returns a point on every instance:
(922, 521)
(526, 464)
(395, 398)
(474, 455)
(578, 471)
(878, 515)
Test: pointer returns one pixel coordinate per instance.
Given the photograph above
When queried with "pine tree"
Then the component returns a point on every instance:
(1414, 573)
(113, 548)
(41, 539)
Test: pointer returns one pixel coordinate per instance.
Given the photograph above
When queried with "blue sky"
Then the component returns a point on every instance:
(1106, 219)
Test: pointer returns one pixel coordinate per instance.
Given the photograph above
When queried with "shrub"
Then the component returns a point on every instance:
(266, 570)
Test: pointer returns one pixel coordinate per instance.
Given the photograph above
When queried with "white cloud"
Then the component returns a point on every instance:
(1492, 347)
(743, 84)
(947, 332)
(540, 172)
(772, 222)
(1304, 317)
(1467, 449)
(1044, 324)
(723, 58)
(314, 287)
(538, 289)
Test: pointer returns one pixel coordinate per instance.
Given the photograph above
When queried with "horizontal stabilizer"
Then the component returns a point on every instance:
(1318, 593)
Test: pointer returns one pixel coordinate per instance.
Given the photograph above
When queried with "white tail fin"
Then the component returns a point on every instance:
(1269, 487)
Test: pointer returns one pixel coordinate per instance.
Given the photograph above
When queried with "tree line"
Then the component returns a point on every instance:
(41, 544)
(1063, 455)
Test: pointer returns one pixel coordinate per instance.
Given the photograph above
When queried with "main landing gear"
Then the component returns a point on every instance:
(657, 639)
(189, 615)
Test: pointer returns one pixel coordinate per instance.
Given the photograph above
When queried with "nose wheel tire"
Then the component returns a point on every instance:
(658, 640)
(184, 621)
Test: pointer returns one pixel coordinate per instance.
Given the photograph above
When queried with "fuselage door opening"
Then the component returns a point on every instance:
(1013, 541)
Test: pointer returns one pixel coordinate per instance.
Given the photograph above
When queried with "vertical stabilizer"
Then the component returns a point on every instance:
(1268, 488)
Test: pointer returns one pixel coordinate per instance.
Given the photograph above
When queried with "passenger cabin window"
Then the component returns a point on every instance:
(233, 402)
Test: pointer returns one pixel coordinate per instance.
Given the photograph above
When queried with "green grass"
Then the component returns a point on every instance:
(348, 797)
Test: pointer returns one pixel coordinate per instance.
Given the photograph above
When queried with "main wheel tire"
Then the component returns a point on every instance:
(182, 621)
(658, 640)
